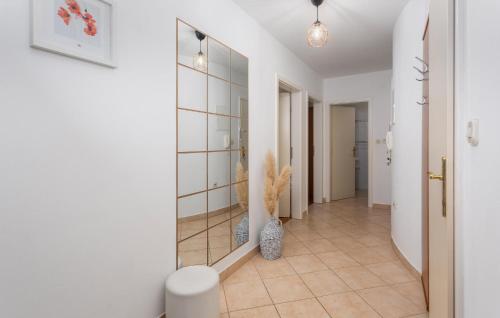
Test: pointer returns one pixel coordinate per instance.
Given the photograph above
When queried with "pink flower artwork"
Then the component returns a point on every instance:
(74, 8)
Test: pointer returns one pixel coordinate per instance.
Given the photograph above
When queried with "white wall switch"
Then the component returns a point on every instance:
(473, 132)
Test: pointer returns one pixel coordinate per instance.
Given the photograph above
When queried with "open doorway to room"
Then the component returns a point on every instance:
(291, 143)
(284, 156)
(349, 146)
(314, 151)
(310, 152)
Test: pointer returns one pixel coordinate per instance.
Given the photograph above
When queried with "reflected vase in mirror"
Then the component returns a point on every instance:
(212, 148)
(274, 184)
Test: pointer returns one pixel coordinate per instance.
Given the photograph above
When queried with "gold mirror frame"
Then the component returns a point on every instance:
(217, 222)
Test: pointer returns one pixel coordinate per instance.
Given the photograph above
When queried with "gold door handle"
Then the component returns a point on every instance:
(442, 178)
(433, 176)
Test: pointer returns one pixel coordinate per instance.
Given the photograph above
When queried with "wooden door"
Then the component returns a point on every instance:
(343, 143)
(310, 127)
(284, 149)
(425, 169)
(441, 119)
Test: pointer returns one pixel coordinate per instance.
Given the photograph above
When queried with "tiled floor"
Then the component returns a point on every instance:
(337, 262)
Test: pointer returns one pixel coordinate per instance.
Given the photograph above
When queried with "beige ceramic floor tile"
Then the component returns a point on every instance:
(337, 259)
(320, 246)
(260, 312)
(370, 240)
(306, 235)
(367, 255)
(347, 305)
(245, 273)
(288, 237)
(386, 251)
(391, 273)
(222, 300)
(306, 263)
(272, 269)
(294, 248)
(331, 233)
(426, 315)
(288, 288)
(246, 295)
(413, 291)
(324, 283)
(354, 234)
(346, 243)
(308, 308)
(389, 303)
(358, 277)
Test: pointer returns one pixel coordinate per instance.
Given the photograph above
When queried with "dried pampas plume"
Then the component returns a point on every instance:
(274, 185)
(242, 186)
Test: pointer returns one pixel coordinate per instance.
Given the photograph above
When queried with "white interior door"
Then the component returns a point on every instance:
(284, 149)
(343, 143)
(441, 110)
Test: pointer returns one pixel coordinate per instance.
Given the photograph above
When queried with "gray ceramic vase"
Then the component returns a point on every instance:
(270, 239)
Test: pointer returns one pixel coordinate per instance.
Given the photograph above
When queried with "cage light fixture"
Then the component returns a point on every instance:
(317, 35)
(200, 59)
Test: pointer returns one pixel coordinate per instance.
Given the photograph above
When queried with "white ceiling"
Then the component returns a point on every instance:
(360, 31)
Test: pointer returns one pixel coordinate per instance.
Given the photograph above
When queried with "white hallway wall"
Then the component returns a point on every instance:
(375, 87)
(406, 216)
(87, 153)
(477, 189)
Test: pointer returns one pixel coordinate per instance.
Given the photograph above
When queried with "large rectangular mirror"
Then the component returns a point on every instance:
(212, 148)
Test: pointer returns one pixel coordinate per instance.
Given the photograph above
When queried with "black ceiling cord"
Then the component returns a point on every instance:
(317, 3)
(200, 36)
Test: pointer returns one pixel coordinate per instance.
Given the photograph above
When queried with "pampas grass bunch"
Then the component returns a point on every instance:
(242, 187)
(274, 184)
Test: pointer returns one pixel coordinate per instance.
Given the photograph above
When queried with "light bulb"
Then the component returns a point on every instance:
(317, 35)
(200, 62)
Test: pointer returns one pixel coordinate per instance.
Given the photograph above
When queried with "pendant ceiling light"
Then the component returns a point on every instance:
(317, 35)
(200, 59)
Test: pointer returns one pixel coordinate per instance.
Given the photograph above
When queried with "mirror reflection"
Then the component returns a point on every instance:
(192, 214)
(191, 47)
(219, 132)
(212, 148)
(218, 59)
(218, 169)
(191, 89)
(192, 132)
(239, 69)
(219, 241)
(219, 92)
(192, 172)
(239, 230)
(239, 99)
(193, 251)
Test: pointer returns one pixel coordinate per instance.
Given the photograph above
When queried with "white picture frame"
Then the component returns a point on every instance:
(85, 31)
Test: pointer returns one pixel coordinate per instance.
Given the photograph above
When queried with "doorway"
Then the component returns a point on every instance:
(310, 152)
(440, 178)
(349, 147)
(285, 146)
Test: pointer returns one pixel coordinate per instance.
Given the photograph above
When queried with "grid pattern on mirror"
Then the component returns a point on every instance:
(209, 235)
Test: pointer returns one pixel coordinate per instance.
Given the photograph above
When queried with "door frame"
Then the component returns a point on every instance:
(299, 157)
(310, 152)
(440, 10)
(327, 146)
(318, 141)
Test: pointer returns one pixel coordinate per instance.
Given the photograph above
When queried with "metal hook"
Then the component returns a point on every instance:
(420, 71)
(423, 102)
(426, 67)
(422, 79)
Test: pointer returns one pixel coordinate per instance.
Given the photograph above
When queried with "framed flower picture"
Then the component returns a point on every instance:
(83, 29)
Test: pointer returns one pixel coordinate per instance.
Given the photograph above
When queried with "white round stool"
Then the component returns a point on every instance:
(192, 292)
